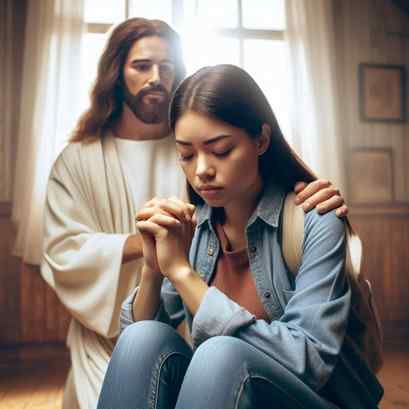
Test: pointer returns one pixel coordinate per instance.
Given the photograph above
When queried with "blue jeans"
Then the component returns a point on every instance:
(153, 367)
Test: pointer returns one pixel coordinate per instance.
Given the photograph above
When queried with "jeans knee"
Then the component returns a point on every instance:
(220, 354)
(142, 329)
(148, 338)
(138, 336)
(216, 373)
(220, 346)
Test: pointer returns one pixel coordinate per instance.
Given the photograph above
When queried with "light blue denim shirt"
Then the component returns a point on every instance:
(308, 313)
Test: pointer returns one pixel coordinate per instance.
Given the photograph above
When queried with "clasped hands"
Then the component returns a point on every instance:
(166, 227)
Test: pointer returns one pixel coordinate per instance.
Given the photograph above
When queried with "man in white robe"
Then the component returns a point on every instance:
(118, 158)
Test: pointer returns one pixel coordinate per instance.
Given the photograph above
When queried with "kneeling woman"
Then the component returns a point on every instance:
(260, 336)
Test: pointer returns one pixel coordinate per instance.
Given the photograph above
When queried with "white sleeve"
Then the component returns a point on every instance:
(81, 263)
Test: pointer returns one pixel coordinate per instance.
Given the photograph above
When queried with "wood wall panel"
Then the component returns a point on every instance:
(385, 239)
(43, 318)
(373, 31)
(386, 262)
(361, 37)
(11, 13)
(9, 284)
(375, 169)
(29, 310)
(12, 21)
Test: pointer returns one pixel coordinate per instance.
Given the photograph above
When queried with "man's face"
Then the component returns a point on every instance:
(149, 74)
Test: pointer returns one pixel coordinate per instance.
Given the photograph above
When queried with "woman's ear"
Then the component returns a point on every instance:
(263, 141)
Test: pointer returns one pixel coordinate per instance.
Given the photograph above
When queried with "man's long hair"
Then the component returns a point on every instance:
(107, 93)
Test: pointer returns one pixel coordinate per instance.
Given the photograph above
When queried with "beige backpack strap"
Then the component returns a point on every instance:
(363, 308)
(293, 236)
(292, 233)
(353, 259)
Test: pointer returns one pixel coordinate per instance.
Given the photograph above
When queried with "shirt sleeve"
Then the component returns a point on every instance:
(308, 337)
(82, 263)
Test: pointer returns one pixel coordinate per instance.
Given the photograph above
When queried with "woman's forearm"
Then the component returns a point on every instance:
(147, 299)
(190, 287)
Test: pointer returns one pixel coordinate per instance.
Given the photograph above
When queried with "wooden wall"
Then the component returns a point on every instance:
(43, 318)
(29, 311)
(10, 283)
(377, 155)
(12, 14)
(385, 235)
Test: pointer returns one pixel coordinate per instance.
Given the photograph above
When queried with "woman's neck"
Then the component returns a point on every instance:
(237, 214)
(130, 127)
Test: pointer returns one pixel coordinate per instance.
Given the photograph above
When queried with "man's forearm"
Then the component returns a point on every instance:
(132, 249)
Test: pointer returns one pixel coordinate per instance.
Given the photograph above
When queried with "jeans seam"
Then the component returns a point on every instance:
(240, 391)
(156, 378)
(278, 387)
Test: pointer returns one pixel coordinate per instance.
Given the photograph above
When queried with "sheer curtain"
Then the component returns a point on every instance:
(314, 114)
(49, 108)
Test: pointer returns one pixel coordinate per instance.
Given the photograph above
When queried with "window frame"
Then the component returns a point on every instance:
(241, 33)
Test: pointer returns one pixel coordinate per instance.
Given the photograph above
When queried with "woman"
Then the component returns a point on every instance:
(261, 337)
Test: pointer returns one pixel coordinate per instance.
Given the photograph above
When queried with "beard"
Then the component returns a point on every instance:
(149, 110)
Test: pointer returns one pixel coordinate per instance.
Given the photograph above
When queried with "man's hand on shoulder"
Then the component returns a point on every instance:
(321, 195)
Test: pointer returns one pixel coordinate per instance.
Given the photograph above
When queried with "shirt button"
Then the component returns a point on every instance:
(210, 251)
(267, 294)
(253, 249)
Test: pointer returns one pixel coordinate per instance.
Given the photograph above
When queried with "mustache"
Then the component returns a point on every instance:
(154, 88)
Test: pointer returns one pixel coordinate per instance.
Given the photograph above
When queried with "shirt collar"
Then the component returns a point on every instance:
(268, 208)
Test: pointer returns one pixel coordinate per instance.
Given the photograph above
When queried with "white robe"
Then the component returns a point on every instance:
(89, 214)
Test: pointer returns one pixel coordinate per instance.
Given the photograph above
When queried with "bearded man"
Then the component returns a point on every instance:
(119, 157)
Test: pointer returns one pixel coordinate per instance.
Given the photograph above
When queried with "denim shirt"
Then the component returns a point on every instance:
(308, 313)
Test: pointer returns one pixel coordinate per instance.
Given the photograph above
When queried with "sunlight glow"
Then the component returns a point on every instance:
(154, 9)
(202, 41)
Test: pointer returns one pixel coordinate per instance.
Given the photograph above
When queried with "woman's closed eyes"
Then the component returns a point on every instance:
(220, 153)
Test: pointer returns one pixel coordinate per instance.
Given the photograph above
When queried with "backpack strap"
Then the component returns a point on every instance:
(353, 259)
(293, 235)
(363, 308)
(292, 231)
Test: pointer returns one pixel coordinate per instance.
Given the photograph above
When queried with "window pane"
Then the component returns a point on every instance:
(91, 51)
(202, 49)
(211, 13)
(264, 14)
(154, 9)
(266, 62)
(104, 11)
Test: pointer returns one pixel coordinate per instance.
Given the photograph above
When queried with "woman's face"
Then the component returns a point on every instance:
(219, 160)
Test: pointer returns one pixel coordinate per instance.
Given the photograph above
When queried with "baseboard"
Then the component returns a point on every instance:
(33, 353)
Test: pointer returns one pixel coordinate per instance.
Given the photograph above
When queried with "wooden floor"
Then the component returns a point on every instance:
(38, 384)
(394, 376)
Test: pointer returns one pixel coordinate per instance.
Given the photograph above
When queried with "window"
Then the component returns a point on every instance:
(247, 33)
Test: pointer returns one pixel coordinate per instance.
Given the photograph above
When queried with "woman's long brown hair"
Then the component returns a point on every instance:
(230, 94)
(107, 95)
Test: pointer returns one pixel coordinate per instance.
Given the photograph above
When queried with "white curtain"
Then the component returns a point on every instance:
(314, 115)
(50, 103)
